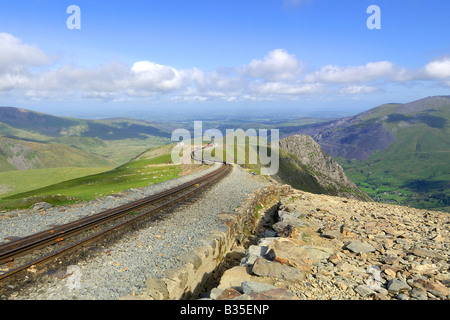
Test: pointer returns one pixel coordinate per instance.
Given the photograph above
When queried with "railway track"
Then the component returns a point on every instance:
(65, 238)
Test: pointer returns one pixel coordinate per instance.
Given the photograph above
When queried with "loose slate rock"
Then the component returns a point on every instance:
(364, 291)
(426, 253)
(274, 294)
(396, 286)
(265, 268)
(360, 247)
(41, 206)
(252, 286)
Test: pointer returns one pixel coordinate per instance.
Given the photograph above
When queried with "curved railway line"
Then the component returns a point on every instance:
(65, 238)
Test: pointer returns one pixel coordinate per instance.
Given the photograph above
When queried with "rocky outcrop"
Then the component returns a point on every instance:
(306, 166)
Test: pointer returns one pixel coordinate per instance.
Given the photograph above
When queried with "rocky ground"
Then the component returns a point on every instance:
(319, 247)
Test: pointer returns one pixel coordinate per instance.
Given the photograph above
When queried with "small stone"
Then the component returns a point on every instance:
(418, 294)
(331, 234)
(396, 286)
(341, 286)
(41, 206)
(274, 294)
(380, 296)
(215, 293)
(265, 268)
(335, 259)
(228, 294)
(252, 286)
(364, 291)
(253, 253)
(390, 272)
(402, 296)
(269, 233)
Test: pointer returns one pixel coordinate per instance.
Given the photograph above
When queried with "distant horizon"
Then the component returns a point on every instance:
(183, 114)
(270, 57)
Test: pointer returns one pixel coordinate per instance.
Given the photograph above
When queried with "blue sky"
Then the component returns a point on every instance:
(296, 56)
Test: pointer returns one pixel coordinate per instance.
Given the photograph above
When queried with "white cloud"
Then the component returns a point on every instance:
(278, 65)
(150, 76)
(372, 71)
(280, 88)
(16, 56)
(355, 89)
(438, 69)
(26, 71)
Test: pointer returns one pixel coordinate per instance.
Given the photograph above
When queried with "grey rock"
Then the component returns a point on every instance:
(364, 291)
(215, 293)
(291, 220)
(277, 227)
(331, 234)
(418, 294)
(426, 253)
(396, 286)
(265, 268)
(269, 233)
(253, 253)
(295, 214)
(265, 242)
(360, 247)
(41, 206)
(193, 258)
(251, 286)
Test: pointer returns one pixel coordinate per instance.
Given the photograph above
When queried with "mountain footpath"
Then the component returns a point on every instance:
(320, 247)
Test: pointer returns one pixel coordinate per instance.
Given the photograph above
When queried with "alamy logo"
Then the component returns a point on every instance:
(374, 21)
(74, 21)
(236, 146)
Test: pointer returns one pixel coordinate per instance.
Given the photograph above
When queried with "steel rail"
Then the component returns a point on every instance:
(32, 242)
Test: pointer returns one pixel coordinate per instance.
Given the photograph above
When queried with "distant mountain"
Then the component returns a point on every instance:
(15, 120)
(358, 137)
(396, 152)
(114, 140)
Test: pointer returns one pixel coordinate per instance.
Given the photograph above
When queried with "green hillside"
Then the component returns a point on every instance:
(20, 181)
(413, 171)
(397, 153)
(24, 155)
(134, 174)
(116, 140)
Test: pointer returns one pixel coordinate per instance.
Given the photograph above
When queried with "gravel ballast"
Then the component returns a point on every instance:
(124, 267)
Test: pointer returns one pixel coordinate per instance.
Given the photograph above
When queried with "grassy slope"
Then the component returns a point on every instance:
(15, 182)
(35, 155)
(134, 174)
